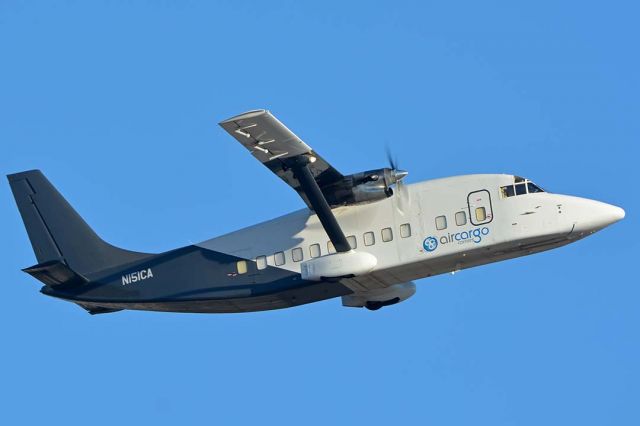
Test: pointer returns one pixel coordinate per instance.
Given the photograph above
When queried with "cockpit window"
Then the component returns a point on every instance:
(533, 188)
(507, 191)
(521, 186)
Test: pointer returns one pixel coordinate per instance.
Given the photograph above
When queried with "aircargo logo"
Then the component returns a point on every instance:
(465, 237)
(430, 243)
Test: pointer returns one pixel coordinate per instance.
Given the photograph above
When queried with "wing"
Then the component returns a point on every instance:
(275, 146)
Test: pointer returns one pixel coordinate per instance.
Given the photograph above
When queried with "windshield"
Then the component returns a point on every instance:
(520, 186)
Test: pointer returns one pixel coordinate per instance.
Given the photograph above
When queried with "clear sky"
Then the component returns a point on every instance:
(117, 102)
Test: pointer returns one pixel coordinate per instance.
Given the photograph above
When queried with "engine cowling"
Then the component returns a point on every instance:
(376, 299)
(363, 187)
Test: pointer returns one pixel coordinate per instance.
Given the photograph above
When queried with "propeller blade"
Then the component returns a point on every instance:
(390, 158)
(396, 176)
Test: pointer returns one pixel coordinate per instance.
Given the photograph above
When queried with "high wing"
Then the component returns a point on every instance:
(318, 184)
(275, 146)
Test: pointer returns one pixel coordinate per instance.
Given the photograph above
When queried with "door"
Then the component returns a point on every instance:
(480, 210)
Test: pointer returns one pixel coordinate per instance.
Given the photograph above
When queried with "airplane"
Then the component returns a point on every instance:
(364, 237)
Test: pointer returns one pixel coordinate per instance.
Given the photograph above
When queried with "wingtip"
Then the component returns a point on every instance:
(245, 115)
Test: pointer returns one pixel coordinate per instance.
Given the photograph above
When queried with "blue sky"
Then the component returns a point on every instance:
(117, 102)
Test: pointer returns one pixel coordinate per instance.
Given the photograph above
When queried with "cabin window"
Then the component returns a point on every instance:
(461, 218)
(481, 214)
(405, 230)
(369, 238)
(261, 262)
(387, 235)
(296, 254)
(330, 248)
(241, 266)
(314, 250)
(521, 189)
(352, 241)
(278, 258)
(441, 223)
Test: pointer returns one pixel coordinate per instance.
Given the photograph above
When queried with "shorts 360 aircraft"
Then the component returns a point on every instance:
(358, 238)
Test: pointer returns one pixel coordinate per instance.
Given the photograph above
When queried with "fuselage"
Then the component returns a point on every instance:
(427, 228)
(470, 218)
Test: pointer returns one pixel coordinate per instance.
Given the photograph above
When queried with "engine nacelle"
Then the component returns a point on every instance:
(376, 299)
(337, 265)
(363, 187)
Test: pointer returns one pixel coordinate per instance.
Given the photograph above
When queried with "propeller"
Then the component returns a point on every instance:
(396, 177)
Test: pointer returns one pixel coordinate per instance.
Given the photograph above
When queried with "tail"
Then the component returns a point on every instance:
(65, 246)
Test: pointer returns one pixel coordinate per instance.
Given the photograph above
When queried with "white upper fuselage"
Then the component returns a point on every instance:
(493, 227)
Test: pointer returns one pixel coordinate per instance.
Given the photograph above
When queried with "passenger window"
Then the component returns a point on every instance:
(369, 238)
(261, 262)
(296, 254)
(314, 250)
(481, 214)
(521, 189)
(533, 188)
(441, 223)
(330, 248)
(241, 266)
(278, 258)
(387, 235)
(507, 191)
(352, 241)
(461, 218)
(405, 230)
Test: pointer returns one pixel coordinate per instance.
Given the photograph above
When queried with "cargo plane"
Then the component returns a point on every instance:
(363, 237)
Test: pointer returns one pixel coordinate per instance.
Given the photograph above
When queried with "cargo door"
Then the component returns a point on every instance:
(480, 209)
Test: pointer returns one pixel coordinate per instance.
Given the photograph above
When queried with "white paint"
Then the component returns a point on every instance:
(402, 291)
(515, 226)
(338, 265)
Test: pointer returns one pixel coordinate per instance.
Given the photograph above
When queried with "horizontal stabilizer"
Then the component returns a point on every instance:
(55, 273)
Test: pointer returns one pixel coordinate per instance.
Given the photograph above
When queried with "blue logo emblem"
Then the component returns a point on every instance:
(430, 244)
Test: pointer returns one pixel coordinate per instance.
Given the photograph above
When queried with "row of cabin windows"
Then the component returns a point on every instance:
(461, 218)
(297, 254)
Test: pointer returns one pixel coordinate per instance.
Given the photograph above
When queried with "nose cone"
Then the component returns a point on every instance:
(594, 215)
(615, 213)
(399, 175)
(606, 214)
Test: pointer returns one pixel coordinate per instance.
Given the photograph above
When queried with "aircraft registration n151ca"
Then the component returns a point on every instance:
(363, 237)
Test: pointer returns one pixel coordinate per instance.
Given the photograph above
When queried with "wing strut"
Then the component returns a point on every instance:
(319, 203)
